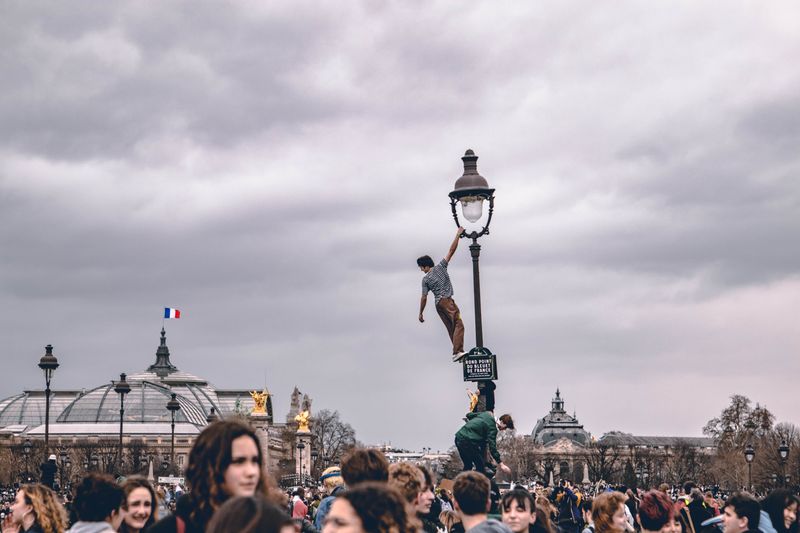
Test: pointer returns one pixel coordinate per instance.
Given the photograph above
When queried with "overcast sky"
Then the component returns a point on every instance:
(274, 169)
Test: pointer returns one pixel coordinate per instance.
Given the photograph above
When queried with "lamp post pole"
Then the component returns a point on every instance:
(314, 456)
(122, 388)
(749, 455)
(48, 363)
(472, 190)
(300, 447)
(173, 407)
(26, 451)
(63, 456)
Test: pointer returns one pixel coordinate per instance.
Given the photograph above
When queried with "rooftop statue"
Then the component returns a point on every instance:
(260, 400)
(302, 420)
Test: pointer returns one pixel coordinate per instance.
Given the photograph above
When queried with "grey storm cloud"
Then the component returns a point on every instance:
(274, 171)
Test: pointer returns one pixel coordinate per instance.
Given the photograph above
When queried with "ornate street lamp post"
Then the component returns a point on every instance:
(68, 468)
(472, 190)
(63, 457)
(749, 455)
(300, 447)
(26, 451)
(48, 363)
(122, 388)
(173, 406)
(314, 456)
(783, 451)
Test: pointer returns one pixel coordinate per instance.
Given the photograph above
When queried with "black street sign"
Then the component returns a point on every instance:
(480, 364)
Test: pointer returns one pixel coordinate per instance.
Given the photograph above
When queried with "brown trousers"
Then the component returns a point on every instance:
(451, 316)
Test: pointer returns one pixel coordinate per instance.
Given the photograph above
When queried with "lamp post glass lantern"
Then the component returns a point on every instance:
(122, 387)
(783, 450)
(48, 363)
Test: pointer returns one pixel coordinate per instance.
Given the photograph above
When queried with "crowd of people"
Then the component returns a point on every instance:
(228, 490)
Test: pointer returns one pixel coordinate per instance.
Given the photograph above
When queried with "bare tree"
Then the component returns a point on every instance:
(333, 436)
(603, 461)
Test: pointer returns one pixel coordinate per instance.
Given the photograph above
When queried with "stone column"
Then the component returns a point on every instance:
(260, 422)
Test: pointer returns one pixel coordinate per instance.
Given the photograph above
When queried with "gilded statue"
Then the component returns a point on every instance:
(260, 401)
(302, 421)
(473, 400)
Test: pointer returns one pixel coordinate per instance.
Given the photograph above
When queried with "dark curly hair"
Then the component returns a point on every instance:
(96, 497)
(208, 461)
(381, 509)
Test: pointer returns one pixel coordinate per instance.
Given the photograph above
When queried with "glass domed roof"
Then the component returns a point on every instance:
(28, 408)
(147, 402)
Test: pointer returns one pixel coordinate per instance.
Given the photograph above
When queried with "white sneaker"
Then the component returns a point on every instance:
(458, 356)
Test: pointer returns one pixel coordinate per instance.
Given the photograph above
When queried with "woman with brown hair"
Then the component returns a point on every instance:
(371, 508)
(608, 513)
(225, 461)
(544, 514)
(140, 504)
(36, 509)
(250, 514)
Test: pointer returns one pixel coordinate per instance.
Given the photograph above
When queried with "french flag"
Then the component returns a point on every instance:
(172, 313)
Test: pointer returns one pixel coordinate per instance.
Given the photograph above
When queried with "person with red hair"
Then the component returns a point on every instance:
(656, 512)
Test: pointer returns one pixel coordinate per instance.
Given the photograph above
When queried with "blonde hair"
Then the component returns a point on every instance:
(449, 519)
(332, 478)
(47, 510)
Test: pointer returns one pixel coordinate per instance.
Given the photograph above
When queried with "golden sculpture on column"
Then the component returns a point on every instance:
(260, 400)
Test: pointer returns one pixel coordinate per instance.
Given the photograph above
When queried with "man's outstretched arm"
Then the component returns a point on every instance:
(454, 245)
(422, 303)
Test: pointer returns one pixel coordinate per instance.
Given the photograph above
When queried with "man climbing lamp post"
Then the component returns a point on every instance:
(472, 190)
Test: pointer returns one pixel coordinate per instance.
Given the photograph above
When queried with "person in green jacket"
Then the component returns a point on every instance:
(479, 432)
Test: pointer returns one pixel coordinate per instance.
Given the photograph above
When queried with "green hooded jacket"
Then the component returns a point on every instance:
(481, 429)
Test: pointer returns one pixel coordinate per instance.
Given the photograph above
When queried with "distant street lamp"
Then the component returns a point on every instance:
(314, 456)
(94, 460)
(749, 455)
(68, 468)
(48, 363)
(783, 451)
(173, 406)
(122, 388)
(63, 457)
(300, 447)
(26, 451)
